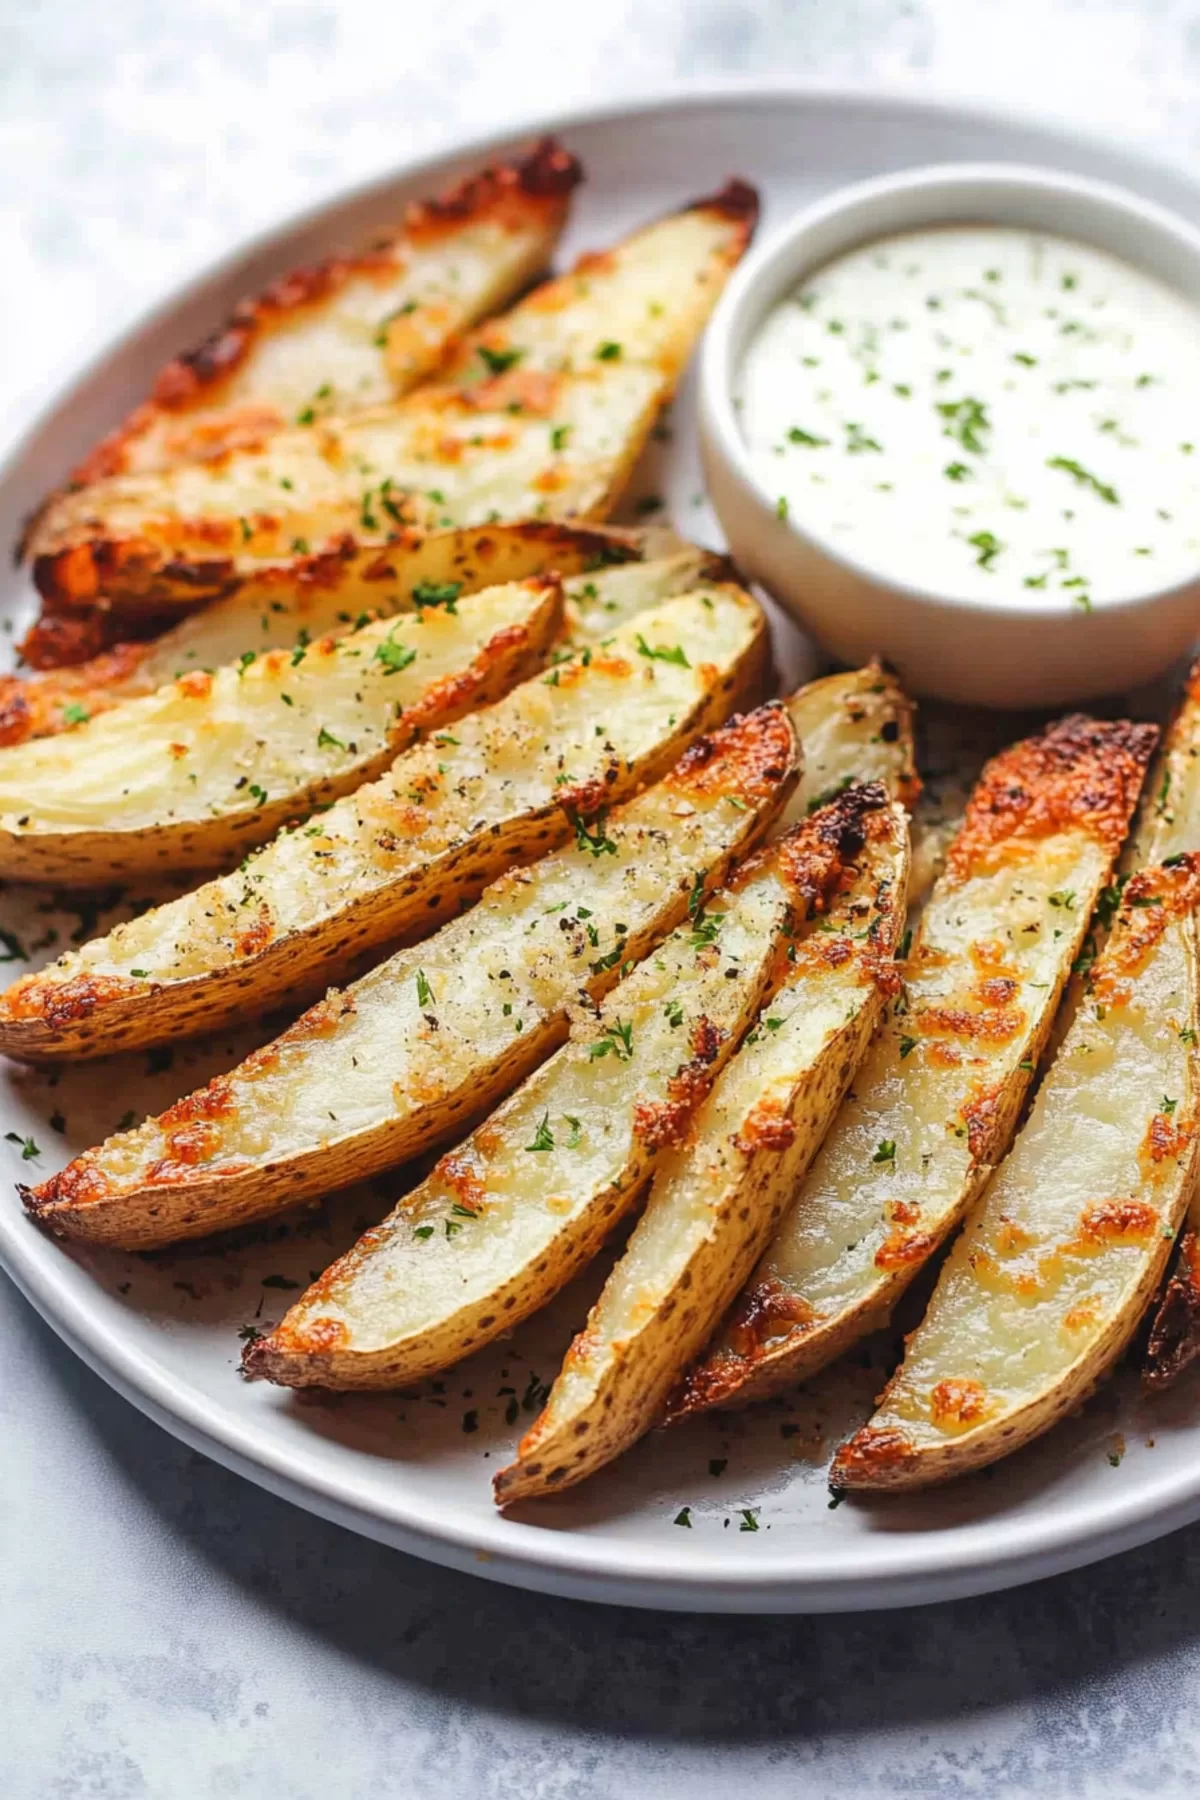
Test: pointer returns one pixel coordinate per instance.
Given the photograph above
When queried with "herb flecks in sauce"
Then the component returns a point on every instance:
(924, 390)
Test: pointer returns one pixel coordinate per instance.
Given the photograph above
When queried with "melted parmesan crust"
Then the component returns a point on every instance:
(216, 762)
(403, 1057)
(940, 1092)
(1049, 1279)
(354, 330)
(716, 1198)
(400, 854)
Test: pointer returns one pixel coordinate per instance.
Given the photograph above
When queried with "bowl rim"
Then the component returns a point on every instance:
(769, 266)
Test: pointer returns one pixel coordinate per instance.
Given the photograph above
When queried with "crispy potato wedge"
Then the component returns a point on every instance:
(855, 727)
(435, 1035)
(336, 594)
(545, 1178)
(213, 764)
(398, 855)
(531, 439)
(716, 1198)
(355, 330)
(1057, 1262)
(938, 1097)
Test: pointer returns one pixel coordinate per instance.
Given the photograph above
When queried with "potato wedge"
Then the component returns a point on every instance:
(395, 857)
(623, 302)
(213, 764)
(938, 1097)
(855, 727)
(336, 594)
(716, 1198)
(436, 1034)
(545, 1178)
(532, 439)
(1057, 1262)
(354, 330)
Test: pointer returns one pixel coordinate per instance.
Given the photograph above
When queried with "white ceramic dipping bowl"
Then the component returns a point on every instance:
(1031, 649)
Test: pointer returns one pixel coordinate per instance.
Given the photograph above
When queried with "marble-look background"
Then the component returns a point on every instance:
(168, 1631)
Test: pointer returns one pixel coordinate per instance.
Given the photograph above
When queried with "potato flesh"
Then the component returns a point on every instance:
(855, 727)
(397, 1287)
(494, 766)
(1169, 817)
(1026, 1294)
(599, 603)
(200, 746)
(629, 301)
(503, 971)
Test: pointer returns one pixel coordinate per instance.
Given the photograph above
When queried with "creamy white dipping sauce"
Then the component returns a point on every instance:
(985, 412)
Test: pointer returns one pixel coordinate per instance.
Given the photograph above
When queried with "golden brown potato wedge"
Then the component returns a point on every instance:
(400, 854)
(436, 1034)
(336, 594)
(716, 1197)
(215, 763)
(540, 436)
(354, 330)
(508, 1216)
(938, 1097)
(1055, 1265)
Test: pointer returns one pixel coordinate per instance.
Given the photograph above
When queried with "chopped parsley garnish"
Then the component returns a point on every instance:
(498, 361)
(435, 593)
(559, 435)
(608, 352)
(27, 1146)
(594, 840)
(857, 440)
(885, 1151)
(907, 1046)
(668, 653)
(683, 1517)
(423, 1232)
(957, 471)
(988, 546)
(394, 656)
(966, 422)
(75, 714)
(781, 507)
(674, 1013)
(1084, 478)
(543, 1137)
(327, 741)
(424, 991)
(616, 1039)
(797, 436)
(749, 1519)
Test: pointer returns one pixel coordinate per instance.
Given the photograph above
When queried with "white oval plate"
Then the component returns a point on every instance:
(415, 1472)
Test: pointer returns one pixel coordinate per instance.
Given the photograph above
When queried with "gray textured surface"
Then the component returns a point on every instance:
(169, 1631)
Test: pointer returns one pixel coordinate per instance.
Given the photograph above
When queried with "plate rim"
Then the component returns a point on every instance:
(561, 1561)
